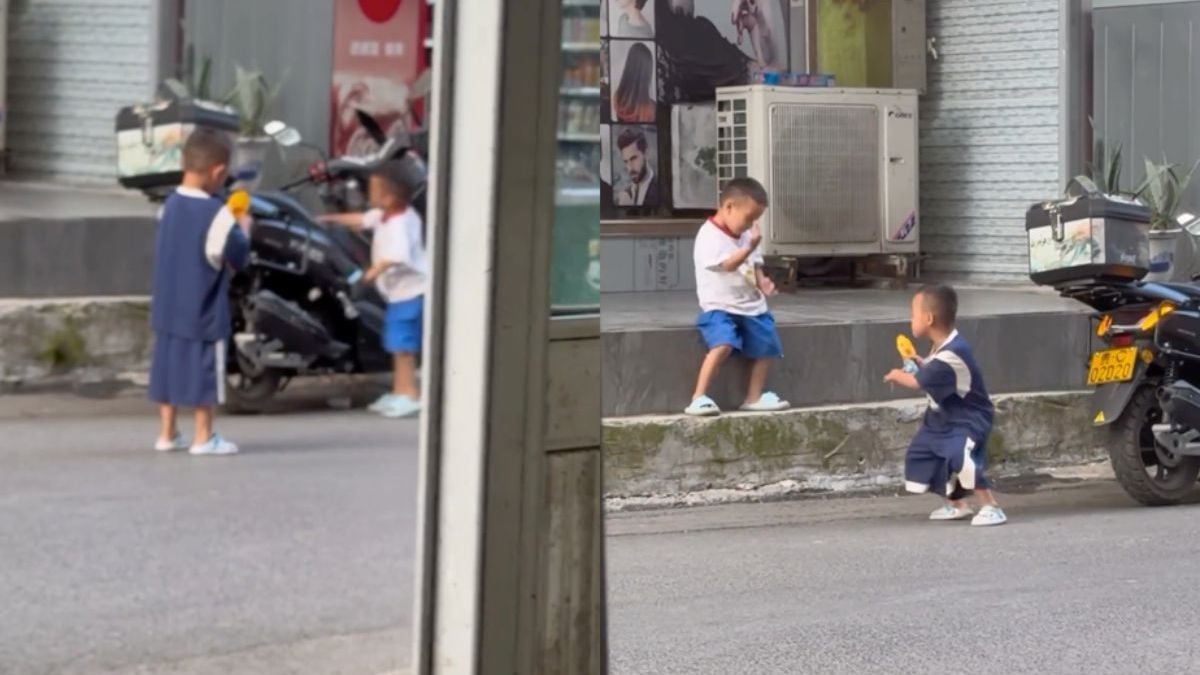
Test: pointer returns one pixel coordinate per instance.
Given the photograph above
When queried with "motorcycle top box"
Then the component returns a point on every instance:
(150, 139)
(1088, 236)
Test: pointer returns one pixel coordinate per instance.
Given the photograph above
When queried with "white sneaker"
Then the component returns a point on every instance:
(383, 402)
(949, 512)
(172, 445)
(989, 515)
(401, 407)
(215, 446)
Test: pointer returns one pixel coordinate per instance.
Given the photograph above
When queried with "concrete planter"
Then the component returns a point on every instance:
(1162, 254)
(251, 153)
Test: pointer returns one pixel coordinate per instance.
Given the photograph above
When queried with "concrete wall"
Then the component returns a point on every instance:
(71, 65)
(1147, 85)
(290, 41)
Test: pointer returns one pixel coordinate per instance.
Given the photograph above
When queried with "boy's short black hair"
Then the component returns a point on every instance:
(942, 303)
(747, 188)
(393, 173)
(206, 148)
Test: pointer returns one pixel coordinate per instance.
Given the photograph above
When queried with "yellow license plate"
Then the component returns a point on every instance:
(1111, 365)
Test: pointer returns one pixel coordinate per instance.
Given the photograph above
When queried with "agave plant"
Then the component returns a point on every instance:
(198, 87)
(253, 98)
(1163, 190)
(1105, 168)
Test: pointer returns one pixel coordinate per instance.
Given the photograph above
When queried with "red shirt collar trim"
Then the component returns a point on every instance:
(729, 233)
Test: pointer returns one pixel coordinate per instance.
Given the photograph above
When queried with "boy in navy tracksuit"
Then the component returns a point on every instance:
(198, 241)
(947, 456)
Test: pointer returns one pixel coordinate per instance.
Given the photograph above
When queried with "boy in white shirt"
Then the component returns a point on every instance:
(399, 271)
(733, 290)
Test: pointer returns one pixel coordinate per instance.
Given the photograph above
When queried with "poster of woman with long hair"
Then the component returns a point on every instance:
(636, 92)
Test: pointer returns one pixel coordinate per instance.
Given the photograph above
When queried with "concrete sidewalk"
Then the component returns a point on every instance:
(60, 240)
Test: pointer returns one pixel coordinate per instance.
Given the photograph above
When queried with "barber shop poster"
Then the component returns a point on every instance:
(662, 63)
(378, 53)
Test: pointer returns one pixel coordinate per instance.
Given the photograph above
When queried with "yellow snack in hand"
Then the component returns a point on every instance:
(238, 203)
(905, 347)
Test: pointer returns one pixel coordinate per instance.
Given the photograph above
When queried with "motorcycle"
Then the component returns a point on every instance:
(300, 308)
(1146, 375)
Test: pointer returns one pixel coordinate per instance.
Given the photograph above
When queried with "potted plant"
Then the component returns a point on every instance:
(253, 99)
(195, 88)
(1162, 191)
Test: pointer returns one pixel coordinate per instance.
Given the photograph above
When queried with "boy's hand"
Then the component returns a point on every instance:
(755, 237)
(244, 221)
(767, 286)
(898, 376)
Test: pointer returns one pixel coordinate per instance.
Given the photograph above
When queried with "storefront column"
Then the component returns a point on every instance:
(511, 562)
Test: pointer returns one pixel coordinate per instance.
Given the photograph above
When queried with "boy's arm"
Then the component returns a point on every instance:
(740, 256)
(354, 221)
(237, 249)
(936, 377)
(227, 242)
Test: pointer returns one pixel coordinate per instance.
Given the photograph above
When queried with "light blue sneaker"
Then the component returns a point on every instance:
(172, 445)
(400, 407)
(989, 516)
(215, 446)
(383, 402)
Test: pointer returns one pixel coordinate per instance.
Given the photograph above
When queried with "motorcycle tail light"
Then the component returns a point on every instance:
(1125, 340)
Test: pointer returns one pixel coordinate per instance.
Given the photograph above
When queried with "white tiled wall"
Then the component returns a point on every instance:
(642, 264)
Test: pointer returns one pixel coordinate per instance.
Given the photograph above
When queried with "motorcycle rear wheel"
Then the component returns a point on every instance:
(251, 395)
(1146, 471)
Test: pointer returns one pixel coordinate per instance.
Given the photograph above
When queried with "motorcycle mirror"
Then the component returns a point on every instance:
(372, 127)
(282, 133)
(422, 85)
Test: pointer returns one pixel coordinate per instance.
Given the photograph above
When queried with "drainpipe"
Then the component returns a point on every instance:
(3, 81)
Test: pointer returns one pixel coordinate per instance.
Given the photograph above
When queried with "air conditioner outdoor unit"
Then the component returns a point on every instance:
(840, 166)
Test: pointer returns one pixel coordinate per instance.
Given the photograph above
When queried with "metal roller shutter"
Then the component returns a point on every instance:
(71, 65)
(989, 134)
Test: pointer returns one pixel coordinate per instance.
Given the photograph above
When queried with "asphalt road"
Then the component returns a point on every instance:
(294, 557)
(1080, 581)
(297, 557)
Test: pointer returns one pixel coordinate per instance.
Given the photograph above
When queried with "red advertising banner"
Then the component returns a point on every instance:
(378, 52)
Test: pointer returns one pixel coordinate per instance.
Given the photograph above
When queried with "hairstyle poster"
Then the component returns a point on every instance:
(633, 91)
(705, 44)
(630, 18)
(635, 166)
(694, 156)
(378, 52)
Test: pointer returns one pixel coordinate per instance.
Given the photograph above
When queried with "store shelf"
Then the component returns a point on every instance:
(589, 92)
(581, 47)
(578, 138)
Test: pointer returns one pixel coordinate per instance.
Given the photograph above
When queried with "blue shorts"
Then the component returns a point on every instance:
(754, 337)
(187, 373)
(935, 459)
(403, 325)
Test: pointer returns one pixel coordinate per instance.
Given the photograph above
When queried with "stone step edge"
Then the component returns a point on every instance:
(901, 405)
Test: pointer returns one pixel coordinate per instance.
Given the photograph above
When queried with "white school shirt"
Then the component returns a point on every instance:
(734, 292)
(398, 240)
